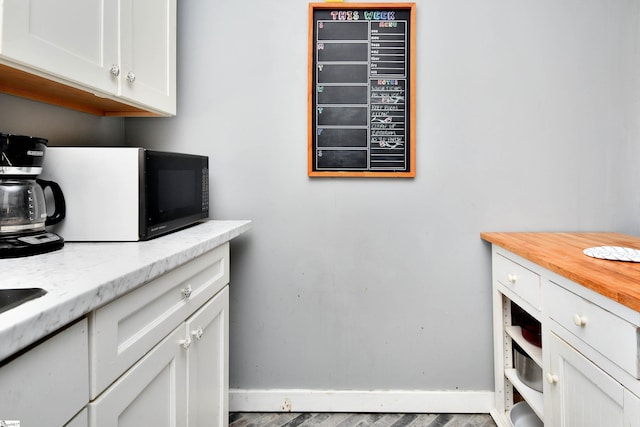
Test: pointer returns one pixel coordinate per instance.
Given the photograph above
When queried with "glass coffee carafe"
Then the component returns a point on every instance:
(23, 207)
(23, 210)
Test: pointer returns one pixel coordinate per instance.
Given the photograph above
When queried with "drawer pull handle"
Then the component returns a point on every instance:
(186, 343)
(197, 334)
(579, 320)
(186, 292)
(512, 278)
(552, 379)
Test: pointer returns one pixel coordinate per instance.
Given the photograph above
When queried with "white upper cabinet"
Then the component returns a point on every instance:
(78, 45)
(120, 51)
(148, 52)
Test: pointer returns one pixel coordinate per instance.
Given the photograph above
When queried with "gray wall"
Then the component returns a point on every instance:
(59, 125)
(527, 119)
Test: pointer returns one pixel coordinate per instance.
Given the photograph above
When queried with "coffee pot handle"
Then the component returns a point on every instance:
(60, 208)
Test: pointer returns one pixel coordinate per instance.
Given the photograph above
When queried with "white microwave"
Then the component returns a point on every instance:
(127, 193)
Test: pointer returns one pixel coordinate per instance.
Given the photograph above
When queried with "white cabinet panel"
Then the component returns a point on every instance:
(151, 393)
(124, 330)
(80, 420)
(589, 354)
(79, 46)
(208, 363)
(631, 409)
(518, 279)
(148, 40)
(181, 379)
(120, 50)
(582, 394)
(607, 333)
(48, 385)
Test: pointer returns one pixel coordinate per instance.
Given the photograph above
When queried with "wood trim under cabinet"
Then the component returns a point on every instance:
(26, 85)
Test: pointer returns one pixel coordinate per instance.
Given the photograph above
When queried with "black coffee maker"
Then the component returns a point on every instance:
(23, 211)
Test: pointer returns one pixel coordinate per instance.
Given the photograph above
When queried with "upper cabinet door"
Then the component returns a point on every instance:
(148, 52)
(66, 52)
(73, 40)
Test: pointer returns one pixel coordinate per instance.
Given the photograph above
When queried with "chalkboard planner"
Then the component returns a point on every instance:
(362, 89)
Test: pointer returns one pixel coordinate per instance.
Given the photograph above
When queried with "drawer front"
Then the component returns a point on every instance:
(522, 281)
(611, 336)
(126, 329)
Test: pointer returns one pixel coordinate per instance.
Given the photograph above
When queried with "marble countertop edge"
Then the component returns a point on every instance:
(84, 276)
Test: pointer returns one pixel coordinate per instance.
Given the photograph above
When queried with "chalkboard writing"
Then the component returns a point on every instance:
(361, 86)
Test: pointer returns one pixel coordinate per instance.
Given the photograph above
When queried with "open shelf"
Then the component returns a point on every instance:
(535, 352)
(533, 397)
(512, 315)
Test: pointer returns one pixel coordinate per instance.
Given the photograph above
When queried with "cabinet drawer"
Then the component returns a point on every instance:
(611, 336)
(126, 329)
(522, 281)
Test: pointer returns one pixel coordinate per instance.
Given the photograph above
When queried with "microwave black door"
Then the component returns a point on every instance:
(177, 192)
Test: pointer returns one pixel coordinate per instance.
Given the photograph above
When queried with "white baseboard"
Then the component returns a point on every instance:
(285, 400)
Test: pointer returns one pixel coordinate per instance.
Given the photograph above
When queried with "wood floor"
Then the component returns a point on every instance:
(252, 419)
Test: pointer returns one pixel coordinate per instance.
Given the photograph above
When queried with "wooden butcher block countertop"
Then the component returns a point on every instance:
(562, 253)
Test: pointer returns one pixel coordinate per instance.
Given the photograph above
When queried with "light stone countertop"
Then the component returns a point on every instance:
(81, 277)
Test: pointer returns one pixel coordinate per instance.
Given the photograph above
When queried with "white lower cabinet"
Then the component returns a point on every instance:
(182, 381)
(80, 420)
(48, 384)
(583, 395)
(156, 356)
(208, 363)
(151, 393)
(515, 285)
(589, 355)
(159, 355)
(123, 331)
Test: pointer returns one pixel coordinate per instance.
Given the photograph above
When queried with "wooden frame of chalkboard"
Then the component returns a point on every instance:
(362, 74)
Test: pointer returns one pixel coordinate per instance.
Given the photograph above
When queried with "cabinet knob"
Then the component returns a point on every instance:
(579, 320)
(197, 334)
(186, 291)
(186, 343)
(552, 379)
(512, 278)
(115, 70)
(131, 77)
